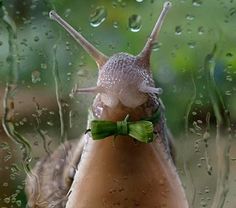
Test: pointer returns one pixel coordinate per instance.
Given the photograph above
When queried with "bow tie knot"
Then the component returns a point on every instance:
(140, 130)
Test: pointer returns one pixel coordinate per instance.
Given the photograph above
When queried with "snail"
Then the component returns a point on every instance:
(121, 168)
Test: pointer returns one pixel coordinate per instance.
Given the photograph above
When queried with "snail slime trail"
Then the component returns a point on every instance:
(125, 157)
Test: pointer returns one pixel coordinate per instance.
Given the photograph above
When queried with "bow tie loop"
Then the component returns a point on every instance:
(140, 130)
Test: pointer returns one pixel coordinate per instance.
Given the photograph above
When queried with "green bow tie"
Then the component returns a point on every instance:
(140, 130)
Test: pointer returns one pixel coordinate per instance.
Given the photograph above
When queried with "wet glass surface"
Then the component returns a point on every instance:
(193, 61)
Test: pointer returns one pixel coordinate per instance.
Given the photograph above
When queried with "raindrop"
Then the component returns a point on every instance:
(232, 11)
(67, 12)
(156, 46)
(13, 200)
(7, 200)
(52, 113)
(7, 157)
(203, 203)
(36, 38)
(20, 187)
(81, 73)
(18, 203)
(98, 16)
(135, 23)
(50, 123)
(228, 92)
(139, 1)
(114, 4)
(192, 44)
(178, 30)
(190, 17)
(229, 55)
(206, 135)
(199, 165)
(229, 78)
(209, 169)
(5, 184)
(123, 4)
(195, 125)
(207, 190)
(115, 24)
(200, 30)
(43, 66)
(4, 145)
(35, 76)
(197, 3)
(1, 43)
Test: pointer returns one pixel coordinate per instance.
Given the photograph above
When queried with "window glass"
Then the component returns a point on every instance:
(193, 61)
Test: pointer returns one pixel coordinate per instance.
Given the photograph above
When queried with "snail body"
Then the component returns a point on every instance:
(122, 172)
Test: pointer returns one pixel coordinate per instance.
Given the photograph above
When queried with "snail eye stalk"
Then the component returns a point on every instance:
(98, 56)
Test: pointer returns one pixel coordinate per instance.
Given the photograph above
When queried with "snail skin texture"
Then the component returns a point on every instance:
(112, 172)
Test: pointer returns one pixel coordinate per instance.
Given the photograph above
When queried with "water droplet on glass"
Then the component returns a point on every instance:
(4, 145)
(229, 78)
(200, 30)
(209, 169)
(50, 123)
(199, 165)
(178, 30)
(191, 44)
(13, 200)
(35, 76)
(7, 157)
(156, 46)
(43, 66)
(67, 12)
(228, 92)
(18, 203)
(5, 184)
(196, 126)
(135, 23)
(207, 190)
(206, 135)
(139, 1)
(98, 16)
(123, 4)
(190, 17)
(203, 203)
(114, 4)
(229, 54)
(7, 200)
(115, 24)
(1, 43)
(36, 38)
(197, 3)
(232, 11)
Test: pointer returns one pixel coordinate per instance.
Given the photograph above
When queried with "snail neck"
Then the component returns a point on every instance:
(125, 172)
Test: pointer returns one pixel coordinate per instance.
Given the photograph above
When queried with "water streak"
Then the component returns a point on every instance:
(187, 113)
(222, 132)
(58, 90)
(8, 100)
(39, 131)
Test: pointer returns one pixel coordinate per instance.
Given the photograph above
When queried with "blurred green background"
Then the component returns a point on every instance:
(193, 60)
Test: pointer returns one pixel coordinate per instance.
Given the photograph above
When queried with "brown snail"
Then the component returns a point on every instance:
(108, 173)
